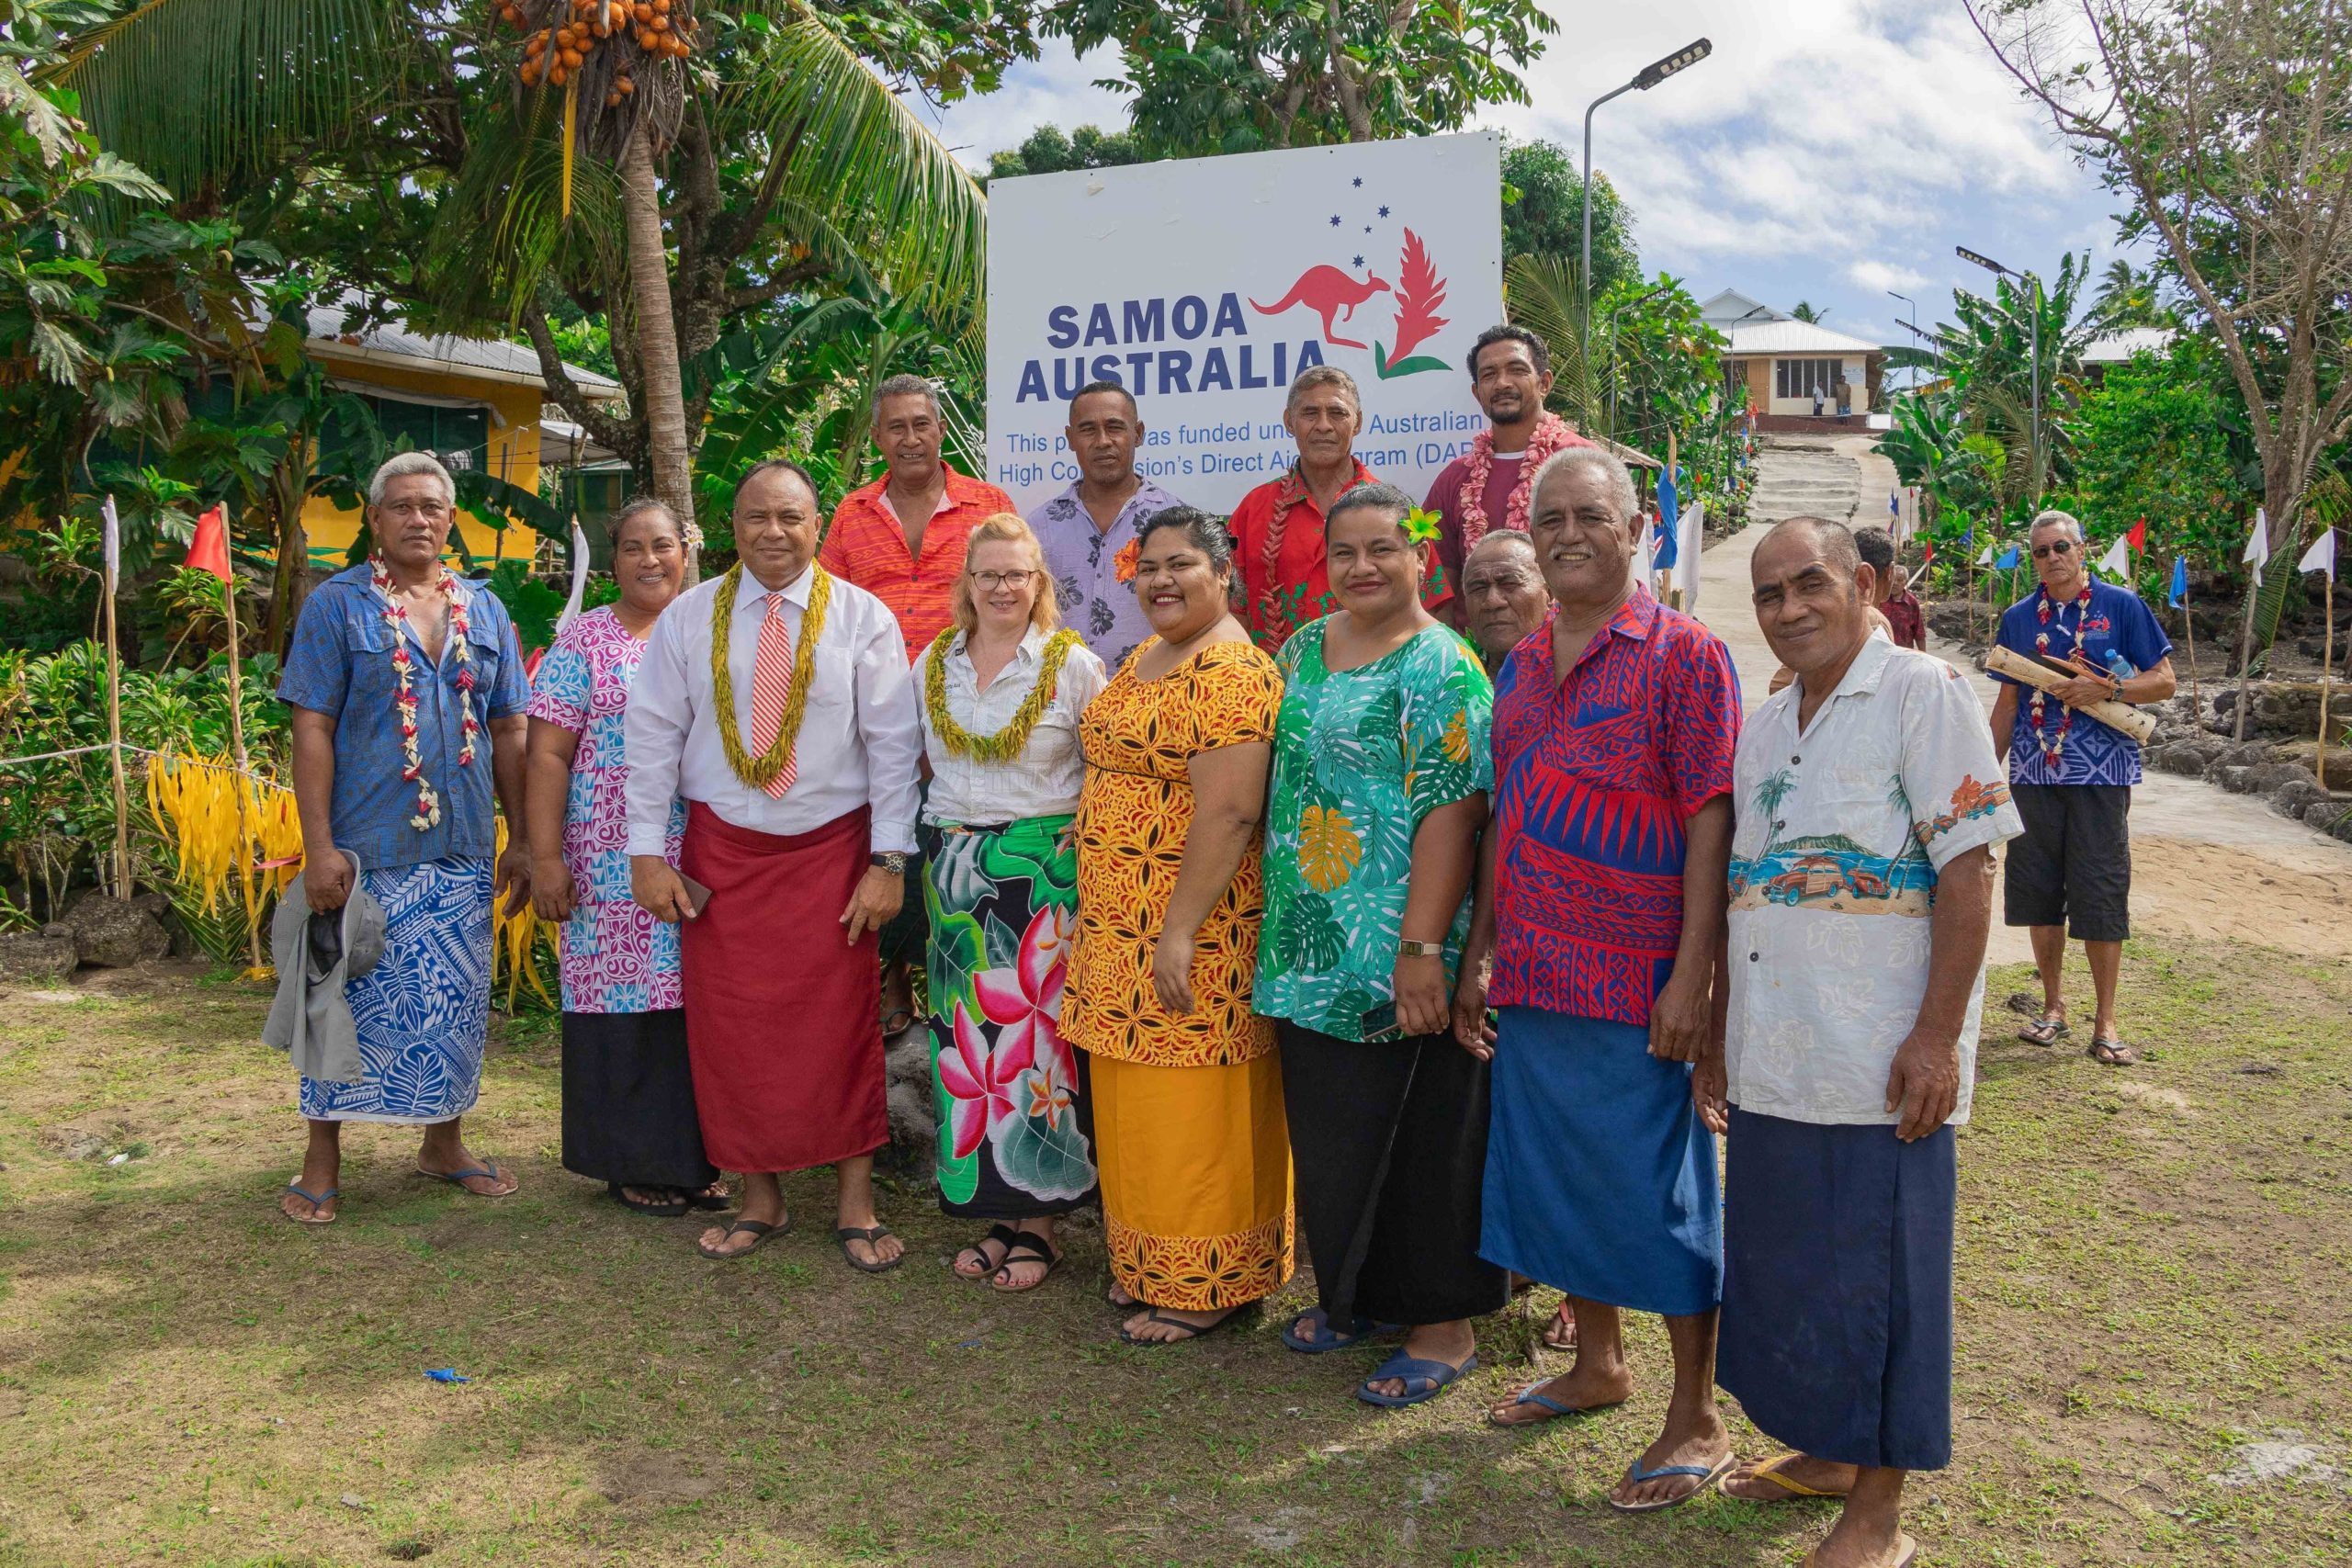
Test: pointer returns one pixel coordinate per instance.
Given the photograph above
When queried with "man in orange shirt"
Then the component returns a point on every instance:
(1278, 528)
(901, 538)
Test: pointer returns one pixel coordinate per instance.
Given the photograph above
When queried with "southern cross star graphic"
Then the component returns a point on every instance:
(1335, 220)
(1384, 212)
(1359, 260)
(1358, 182)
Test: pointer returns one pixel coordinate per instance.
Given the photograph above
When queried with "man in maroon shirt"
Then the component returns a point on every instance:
(1490, 486)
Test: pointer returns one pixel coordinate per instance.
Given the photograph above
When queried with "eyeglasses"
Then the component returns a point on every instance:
(2055, 547)
(431, 510)
(993, 580)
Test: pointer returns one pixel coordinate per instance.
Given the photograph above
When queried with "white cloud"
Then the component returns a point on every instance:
(1886, 276)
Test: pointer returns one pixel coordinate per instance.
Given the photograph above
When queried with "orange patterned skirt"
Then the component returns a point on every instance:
(1196, 1189)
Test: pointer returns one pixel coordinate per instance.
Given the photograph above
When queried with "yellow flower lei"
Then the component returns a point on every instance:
(759, 771)
(1007, 743)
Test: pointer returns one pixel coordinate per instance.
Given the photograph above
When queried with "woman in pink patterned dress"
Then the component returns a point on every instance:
(628, 1100)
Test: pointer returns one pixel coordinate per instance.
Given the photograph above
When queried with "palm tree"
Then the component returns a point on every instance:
(1804, 311)
(1545, 294)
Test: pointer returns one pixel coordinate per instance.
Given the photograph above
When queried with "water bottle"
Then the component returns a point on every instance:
(2119, 666)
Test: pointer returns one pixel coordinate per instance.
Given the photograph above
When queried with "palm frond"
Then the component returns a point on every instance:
(1544, 294)
(195, 90)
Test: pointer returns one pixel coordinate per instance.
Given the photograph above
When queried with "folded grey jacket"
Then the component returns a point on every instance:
(310, 1018)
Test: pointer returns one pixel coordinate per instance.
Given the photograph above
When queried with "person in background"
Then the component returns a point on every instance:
(629, 1089)
(1278, 528)
(1601, 902)
(1085, 530)
(1503, 597)
(1849, 1057)
(1381, 771)
(1905, 619)
(406, 684)
(1189, 1134)
(776, 700)
(2072, 776)
(901, 539)
(1001, 691)
(1489, 487)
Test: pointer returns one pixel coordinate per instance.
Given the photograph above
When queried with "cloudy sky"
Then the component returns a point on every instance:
(1829, 150)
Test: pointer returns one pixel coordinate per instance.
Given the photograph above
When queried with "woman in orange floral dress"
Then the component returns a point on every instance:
(1190, 1137)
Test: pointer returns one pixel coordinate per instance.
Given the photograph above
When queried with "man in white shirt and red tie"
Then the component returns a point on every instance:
(776, 699)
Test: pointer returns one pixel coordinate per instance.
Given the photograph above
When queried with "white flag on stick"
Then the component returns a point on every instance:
(579, 576)
(2258, 545)
(113, 535)
(1986, 558)
(2117, 562)
(2321, 557)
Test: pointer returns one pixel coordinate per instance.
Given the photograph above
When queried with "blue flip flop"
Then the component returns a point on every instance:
(317, 1201)
(1413, 1370)
(1325, 1339)
(1552, 1407)
(458, 1179)
(1707, 1476)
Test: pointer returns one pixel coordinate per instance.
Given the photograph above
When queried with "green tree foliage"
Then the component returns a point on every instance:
(1209, 75)
(1543, 213)
(2149, 442)
(1047, 151)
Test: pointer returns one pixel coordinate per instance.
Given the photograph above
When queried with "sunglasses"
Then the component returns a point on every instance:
(2055, 547)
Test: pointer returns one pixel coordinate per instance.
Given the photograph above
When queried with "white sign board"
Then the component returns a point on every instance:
(1206, 285)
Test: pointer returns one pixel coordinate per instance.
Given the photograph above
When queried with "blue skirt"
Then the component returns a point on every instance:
(424, 1011)
(1836, 1326)
(1600, 1177)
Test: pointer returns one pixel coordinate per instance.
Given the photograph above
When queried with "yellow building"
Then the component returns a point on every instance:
(473, 402)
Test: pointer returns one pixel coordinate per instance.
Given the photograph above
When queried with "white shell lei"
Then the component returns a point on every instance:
(428, 800)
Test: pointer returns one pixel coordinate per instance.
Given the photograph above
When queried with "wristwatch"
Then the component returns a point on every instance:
(892, 860)
(1407, 948)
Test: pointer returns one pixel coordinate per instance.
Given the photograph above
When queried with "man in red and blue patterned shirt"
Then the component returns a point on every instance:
(1615, 725)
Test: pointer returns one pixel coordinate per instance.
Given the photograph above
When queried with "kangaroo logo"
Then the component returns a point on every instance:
(1329, 293)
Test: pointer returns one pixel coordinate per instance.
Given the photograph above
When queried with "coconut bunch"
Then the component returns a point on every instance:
(600, 49)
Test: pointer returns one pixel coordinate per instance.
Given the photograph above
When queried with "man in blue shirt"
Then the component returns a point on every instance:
(408, 694)
(2072, 776)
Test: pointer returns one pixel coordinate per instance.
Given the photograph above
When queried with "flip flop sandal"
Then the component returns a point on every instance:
(869, 1235)
(760, 1232)
(2110, 1051)
(2044, 1031)
(1026, 1248)
(1192, 1330)
(1708, 1475)
(1433, 1375)
(710, 1201)
(1770, 1471)
(669, 1210)
(1004, 1236)
(1559, 1334)
(1552, 1407)
(897, 1021)
(1321, 1337)
(317, 1201)
(458, 1179)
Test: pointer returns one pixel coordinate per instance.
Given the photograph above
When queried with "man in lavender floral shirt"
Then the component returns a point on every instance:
(1084, 529)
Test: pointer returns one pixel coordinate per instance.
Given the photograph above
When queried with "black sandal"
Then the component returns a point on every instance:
(2110, 1051)
(868, 1235)
(1004, 1235)
(1194, 1330)
(669, 1210)
(761, 1234)
(1026, 1248)
(709, 1201)
(2044, 1031)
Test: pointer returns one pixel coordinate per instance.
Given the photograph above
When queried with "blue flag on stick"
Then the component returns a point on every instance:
(2009, 561)
(2179, 582)
(1669, 529)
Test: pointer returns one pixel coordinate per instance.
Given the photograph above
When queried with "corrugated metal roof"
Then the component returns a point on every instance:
(512, 362)
(1793, 337)
(2115, 347)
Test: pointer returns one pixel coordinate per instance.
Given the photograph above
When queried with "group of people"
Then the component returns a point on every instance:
(1408, 869)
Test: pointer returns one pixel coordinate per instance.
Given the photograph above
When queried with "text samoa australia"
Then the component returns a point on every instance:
(1143, 333)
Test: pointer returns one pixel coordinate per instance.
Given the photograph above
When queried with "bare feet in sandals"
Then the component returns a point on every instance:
(1788, 1478)
(1167, 1326)
(1560, 1334)
(985, 1258)
(1031, 1258)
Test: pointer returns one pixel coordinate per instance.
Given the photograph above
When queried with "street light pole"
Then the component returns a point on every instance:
(2034, 339)
(1913, 325)
(1649, 77)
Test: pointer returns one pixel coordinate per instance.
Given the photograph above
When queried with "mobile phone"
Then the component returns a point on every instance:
(696, 893)
(1380, 1021)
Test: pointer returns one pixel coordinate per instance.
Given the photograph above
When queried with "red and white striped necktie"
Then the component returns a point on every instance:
(770, 683)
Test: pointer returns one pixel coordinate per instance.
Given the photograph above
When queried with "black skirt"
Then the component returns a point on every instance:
(1388, 1139)
(628, 1100)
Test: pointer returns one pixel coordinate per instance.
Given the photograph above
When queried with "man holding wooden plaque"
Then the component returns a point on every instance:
(2071, 774)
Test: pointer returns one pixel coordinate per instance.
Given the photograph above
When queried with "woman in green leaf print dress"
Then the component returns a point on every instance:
(1382, 768)
(1001, 690)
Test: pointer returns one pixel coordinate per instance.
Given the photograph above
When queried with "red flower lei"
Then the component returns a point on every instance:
(1552, 433)
(428, 802)
(2053, 750)
(1272, 614)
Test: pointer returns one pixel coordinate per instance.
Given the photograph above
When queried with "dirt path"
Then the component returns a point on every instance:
(2205, 863)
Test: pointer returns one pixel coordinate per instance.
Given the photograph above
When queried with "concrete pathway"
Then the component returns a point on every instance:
(2206, 863)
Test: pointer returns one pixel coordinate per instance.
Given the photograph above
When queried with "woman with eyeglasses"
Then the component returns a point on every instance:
(1001, 690)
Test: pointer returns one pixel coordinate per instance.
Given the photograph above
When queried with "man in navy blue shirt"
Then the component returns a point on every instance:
(2072, 776)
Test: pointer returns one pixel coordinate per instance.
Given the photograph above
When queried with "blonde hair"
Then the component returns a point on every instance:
(1045, 614)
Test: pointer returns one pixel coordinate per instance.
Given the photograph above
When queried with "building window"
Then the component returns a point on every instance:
(1803, 378)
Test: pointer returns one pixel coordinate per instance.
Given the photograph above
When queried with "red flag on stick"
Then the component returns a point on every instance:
(2138, 535)
(210, 549)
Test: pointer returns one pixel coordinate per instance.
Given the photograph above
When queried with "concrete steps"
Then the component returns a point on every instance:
(1797, 478)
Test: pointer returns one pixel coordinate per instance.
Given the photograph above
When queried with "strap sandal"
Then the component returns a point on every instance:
(2110, 1051)
(711, 1198)
(1538, 1408)
(1004, 1235)
(1311, 1334)
(1772, 1470)
(2044, 1031)
(318, 1202)
(1026, 1248)
(760, 1232)
(660, 1207)
(869, 1235)
(1707, 1474)
(488, 1170)
(1422, 1379)
(1192, 1330)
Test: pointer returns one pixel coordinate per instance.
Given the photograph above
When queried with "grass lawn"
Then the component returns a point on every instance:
(2152, 1273)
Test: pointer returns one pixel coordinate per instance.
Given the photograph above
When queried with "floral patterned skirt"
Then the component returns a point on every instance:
(1015, 1132)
